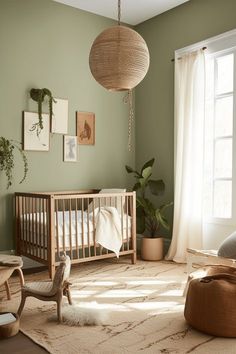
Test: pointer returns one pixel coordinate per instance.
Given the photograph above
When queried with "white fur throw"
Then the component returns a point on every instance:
(84, 314)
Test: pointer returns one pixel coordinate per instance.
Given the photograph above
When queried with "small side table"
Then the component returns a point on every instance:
(8, 264)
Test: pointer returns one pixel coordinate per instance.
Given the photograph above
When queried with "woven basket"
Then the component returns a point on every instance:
(119, 58)
(10, 329)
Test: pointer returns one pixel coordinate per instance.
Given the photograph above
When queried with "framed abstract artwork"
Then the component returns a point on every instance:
(33, 140)
(59, 123)
(85, 128)
(70, 148)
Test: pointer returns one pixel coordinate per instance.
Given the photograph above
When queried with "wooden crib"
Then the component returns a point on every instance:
(47, 224)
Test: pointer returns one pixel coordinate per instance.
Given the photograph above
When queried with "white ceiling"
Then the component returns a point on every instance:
(133, 12)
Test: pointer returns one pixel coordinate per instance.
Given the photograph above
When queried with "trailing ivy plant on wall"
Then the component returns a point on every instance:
(7, 158)
(39, 95)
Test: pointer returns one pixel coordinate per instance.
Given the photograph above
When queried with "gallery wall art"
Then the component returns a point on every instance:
(59, 122)
(85, 128)
(70, 148)
(31, 140)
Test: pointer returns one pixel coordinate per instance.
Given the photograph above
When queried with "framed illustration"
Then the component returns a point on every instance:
(85, 128)
(59, 123)
(34, 140)
(70, 148)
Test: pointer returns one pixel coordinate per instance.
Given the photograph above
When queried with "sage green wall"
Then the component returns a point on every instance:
(189, 23)
(46, 44)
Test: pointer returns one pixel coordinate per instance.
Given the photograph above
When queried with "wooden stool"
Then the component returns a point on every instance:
(8, 264)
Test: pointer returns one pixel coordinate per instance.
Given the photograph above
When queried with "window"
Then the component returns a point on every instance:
(220, 136)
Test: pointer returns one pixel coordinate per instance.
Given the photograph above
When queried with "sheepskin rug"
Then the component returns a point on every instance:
(84, 314)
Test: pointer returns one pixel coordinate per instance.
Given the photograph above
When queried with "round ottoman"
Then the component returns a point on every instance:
(210, 304)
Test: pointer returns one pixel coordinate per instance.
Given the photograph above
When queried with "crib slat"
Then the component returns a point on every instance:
(30, 225)
(44, 228)
(76, 228)
(94, 231)
(40, 228)
(133, 228)
(34, 235)
(88, 229)
(122, 222)
(36, 227)
(127, 222)
(57, 228)
(99, 206)
(64, 231)
(70, 228)
(26, 218)
(82, 220)
(106, 199)
(23, 224)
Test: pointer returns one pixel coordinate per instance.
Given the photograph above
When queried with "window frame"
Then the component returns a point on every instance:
(211, 218)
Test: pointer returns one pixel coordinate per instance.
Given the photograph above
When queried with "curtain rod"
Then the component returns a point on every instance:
(203, 48)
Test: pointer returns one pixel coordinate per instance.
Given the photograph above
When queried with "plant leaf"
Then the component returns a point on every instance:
(147, 206)
(162, 219)
(148, 164)
(136, 187)
(157, 187)
(165, 206)
(140, 221)
(129, 169)
(146, 173)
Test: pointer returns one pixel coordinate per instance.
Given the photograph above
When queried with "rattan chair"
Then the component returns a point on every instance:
(52, 290)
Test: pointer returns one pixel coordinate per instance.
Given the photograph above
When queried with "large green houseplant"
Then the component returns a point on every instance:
(149, 217)
(7, 148)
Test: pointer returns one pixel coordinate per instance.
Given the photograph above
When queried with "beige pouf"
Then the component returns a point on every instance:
(9, 329)
(210, 304)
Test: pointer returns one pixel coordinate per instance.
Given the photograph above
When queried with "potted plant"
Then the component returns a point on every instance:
(7, 158)
(149, 217)
(39, 95)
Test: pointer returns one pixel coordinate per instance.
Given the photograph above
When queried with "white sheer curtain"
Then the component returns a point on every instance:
(189, 146)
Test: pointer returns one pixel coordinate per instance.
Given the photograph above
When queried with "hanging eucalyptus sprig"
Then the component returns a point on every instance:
(39, 95)
(7, 158)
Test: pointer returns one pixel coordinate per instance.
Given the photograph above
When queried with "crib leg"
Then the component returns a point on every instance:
(134, 258)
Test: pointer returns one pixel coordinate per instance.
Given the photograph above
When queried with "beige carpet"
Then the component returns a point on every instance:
(146, 312)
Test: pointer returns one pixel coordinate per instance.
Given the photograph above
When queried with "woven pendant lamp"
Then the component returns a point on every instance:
(119, 58)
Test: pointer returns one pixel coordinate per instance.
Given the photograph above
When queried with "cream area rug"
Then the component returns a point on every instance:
(145, 306)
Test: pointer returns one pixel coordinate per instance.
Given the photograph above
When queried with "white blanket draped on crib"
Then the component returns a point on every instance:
(108, 229)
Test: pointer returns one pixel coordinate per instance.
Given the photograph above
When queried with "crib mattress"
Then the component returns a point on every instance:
(72, 229)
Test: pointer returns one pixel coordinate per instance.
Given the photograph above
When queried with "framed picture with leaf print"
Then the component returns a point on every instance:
(85, 128)
(35, 139)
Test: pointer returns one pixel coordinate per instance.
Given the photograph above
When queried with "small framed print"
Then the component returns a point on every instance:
(70, 148)
(59, 123)
(85, 128)
(35, 139)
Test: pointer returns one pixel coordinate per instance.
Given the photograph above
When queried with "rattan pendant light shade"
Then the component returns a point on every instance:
(119, 58)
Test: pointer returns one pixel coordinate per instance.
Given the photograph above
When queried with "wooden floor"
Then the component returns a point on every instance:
(20, 344)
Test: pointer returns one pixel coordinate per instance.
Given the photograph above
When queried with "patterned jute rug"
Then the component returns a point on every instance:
(145, 307)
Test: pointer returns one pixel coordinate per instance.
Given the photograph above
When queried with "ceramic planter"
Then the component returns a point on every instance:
(152, 248)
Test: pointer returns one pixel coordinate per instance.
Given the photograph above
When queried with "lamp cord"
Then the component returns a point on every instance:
(119, 12)
(128, 98)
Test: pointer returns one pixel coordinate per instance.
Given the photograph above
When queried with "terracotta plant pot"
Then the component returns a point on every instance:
(152, 248)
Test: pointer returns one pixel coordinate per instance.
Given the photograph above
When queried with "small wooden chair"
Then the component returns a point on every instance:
(52, 290)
